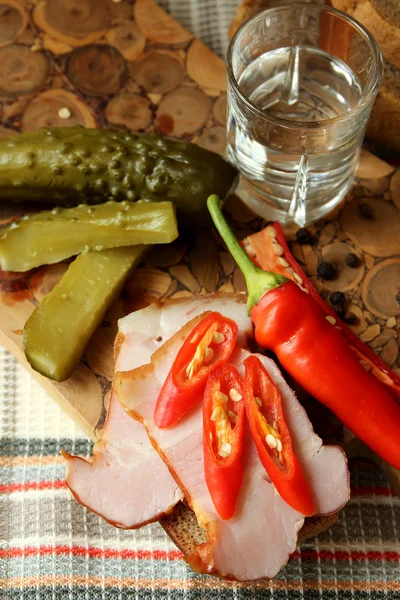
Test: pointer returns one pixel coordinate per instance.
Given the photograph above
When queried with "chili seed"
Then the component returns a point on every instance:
(271, 441)
(398, 298)
(337, 298)
(258, 400)
(221, 397)
(277, 248)
(326, 270)
(248, 249)
(208, 354)
(218, 414)
(331, 319)
(225, 450)
(279, 445)
(234, 395)
(218, 337)
(232, 415)
(365, 212)
(352, 260)
(303, 236)
(283, 262)
(298, 279)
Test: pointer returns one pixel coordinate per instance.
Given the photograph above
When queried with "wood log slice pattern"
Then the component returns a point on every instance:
(131, 66)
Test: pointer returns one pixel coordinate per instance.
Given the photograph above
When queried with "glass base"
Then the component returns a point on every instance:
(271, 209)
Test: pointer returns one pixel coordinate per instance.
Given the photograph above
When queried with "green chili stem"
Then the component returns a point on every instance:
(258, 281)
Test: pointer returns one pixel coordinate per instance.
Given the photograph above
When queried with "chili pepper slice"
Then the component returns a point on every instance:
(223, 429)
(292, 324)
(268, 249)
(272, 437)
(209, 345)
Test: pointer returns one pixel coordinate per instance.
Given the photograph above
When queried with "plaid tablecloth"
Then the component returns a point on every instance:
(52, 548)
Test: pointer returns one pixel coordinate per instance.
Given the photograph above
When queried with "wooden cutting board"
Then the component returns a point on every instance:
(129, 65)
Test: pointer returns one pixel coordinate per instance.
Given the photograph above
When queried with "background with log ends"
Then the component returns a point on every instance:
(129, 65)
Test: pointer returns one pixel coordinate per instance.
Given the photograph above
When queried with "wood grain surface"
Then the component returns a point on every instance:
(129, 65)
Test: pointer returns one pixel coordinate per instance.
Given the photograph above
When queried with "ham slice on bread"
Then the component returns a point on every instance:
(126, 482)
(259, 539)
(125, 465)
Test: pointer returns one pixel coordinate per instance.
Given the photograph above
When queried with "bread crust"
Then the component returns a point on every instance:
(385, 33)
(182, 527)
(384, 124)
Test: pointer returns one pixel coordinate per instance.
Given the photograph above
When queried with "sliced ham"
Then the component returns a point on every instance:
(126, 482)
(146, 330)
(259, 539)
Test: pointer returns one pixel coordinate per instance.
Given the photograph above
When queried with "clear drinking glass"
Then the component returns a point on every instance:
(302, 79)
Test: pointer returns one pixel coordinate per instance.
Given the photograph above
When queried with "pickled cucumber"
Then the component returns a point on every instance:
(57, 332)
(50, 236)
(74, 165)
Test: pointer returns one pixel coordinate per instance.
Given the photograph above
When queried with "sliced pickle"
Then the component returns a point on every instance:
(51, 236)
(57, 332)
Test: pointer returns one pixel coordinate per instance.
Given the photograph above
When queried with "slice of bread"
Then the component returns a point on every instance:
(382, 19)
(184, 530)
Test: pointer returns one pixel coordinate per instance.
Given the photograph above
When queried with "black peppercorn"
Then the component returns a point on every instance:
(337, 298)
(326, 270)
(352, 260)
(366, 211)
(303, 236)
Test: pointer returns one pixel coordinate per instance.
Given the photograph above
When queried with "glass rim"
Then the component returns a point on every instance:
(322, 122)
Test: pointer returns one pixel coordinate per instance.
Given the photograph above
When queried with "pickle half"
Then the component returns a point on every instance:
(53, 235)
(58, 331)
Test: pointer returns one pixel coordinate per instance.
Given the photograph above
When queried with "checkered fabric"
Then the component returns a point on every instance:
(53, 548)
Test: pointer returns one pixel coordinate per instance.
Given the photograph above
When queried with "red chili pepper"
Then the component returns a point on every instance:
(272, 437)
(209, 345)
(260, 248)
(291, 323)
(223, 428)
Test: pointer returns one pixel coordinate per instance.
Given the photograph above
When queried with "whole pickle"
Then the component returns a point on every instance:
(52, 235)
(59, 329)
(74, 165)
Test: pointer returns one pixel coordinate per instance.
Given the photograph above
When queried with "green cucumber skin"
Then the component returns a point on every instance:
(59, 329)
(73, 165)
(50, 236)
